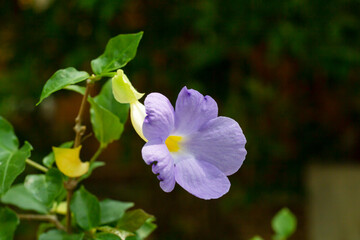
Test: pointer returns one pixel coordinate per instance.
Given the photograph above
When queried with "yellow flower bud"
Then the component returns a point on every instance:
(59, 208)
(69, 163)
(123, 90)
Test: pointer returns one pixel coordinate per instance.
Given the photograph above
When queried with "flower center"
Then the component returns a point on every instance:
(172, 143)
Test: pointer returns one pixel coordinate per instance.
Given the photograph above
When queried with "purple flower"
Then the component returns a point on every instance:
(191, 145)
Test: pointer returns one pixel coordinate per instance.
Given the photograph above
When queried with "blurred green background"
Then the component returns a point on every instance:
(287, 71)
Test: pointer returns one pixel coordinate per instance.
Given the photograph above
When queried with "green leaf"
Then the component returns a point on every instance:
(19, 196)
(107, 127)
(12, 159)
(45, 187)
(92, 167)
(11, 165)
(60, 235)
(106, 99)
(76, 88)
(61, 79)
(144, 231)
(122, 234)
(9, 222)
(112, 210)
(133, 220)
(49, 159)
(118, 52)
(284, 224)
(86, 209)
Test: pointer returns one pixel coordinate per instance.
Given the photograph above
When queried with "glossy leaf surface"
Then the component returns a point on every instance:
(86, 209)
(61, 79)
(112, 210)
(45, 187)
(107, 127)
(12, 159)
(118, 52)
(20, 197)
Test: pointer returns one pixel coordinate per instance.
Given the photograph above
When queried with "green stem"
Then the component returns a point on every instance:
(36, 165)
(97, 153)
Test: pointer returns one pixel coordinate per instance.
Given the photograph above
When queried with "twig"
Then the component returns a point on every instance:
(50, 218)
(79, 129)
(36, 165)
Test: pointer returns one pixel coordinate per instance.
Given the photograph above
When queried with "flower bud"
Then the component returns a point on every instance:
(123, 90)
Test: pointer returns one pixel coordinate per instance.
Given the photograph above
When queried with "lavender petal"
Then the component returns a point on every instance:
(192, 110)
(159, 120)
(219, 142)
(201, 179)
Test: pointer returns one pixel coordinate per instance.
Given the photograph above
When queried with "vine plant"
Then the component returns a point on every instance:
(56, 196)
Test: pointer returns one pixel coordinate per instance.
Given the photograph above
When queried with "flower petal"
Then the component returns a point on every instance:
(159, 120)
(192, 110)
(137, 115)
(123, 90)
(219, 142)
(156, 153)
(69, 163)
(200, 178)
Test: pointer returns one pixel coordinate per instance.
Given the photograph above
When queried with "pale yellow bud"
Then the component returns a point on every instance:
(123, 90)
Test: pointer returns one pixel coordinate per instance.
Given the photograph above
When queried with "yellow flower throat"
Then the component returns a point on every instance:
(172, 143)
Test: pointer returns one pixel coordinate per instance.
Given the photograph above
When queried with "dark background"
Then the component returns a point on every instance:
(287, 71)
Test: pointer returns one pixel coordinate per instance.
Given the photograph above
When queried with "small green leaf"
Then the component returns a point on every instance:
(257, 238)
(106, 99)
(284, 224)
(92, 167)
(133, 220)
(11, 165)
(45, 187)
(107, 127)
(9, 222)
(118, 52)
(60, 235)
(86, 209)
(19, 196)
(122, 234)
(49, 159)
(12, 159)
(61, 79)
(112, 210)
